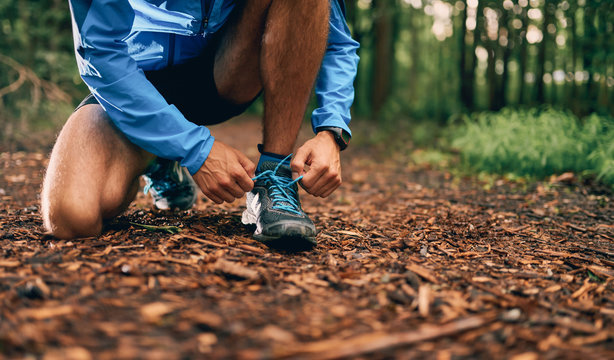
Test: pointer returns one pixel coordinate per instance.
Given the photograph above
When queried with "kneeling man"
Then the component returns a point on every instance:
(160, 71)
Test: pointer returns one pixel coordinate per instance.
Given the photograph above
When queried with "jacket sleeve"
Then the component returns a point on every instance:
(335, 83)
(132, 103)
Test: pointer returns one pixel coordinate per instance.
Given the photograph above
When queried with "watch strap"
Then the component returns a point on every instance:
(342, 137)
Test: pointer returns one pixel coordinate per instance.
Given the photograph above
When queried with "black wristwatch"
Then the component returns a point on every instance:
(342, 137)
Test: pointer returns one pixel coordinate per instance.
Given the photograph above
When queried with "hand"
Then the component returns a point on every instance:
(322, 155)
(226, 175)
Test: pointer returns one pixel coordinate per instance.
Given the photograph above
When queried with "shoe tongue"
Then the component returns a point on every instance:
(158, 169)
(283, 170)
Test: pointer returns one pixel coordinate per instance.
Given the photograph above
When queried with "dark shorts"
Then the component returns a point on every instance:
(191, 88)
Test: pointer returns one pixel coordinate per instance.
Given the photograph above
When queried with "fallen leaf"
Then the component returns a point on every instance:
(45, 312)
(153, 312)
(235, 269)
(70, 353)
(9, 263)
(525, 356)
(567, 177)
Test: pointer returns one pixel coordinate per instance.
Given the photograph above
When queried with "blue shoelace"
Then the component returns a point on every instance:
(283, 195)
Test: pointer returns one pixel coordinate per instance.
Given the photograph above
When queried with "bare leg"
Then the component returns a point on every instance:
(92, 175)
(271, 45)
(277, 46)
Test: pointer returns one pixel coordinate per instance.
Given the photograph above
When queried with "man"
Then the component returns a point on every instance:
(159, 71)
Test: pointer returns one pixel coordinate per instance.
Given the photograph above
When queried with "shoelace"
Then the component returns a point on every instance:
(283, 195)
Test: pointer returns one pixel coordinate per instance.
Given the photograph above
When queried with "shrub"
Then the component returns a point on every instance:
(537, 142)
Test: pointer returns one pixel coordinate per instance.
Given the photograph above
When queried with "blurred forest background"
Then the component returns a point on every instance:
(513, 63)
(432, 59)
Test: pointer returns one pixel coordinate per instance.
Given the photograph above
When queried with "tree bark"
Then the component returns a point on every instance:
(415, 55)
(523, 43)
(501, 86)
(541, 57)
(470, 73)
(465, 87)
(383, 56)
(588, 52)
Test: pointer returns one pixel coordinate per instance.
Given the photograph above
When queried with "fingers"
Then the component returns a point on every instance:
(225, 175)
(321, 180)
(298, 162)
(212, 197)
(331, 188)
(312, 177)
(248, 166)
(228, 186)
(241, 178)
(219, 191)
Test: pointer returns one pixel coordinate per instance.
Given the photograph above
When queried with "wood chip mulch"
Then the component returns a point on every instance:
(411, 263)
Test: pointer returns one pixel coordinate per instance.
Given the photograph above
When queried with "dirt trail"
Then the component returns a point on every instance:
(411, 263)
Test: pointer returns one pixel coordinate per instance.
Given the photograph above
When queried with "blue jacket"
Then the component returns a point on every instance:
(116, 40)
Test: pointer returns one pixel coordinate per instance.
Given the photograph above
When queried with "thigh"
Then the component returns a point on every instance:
(238, 51)
(93, 167)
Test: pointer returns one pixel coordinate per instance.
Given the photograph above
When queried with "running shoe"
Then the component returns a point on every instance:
(170, 185)
(274, 208)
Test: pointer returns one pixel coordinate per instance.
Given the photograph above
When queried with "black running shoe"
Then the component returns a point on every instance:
(273, 206)
(170, 185)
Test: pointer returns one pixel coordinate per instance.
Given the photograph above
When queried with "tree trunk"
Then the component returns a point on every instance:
(414, 70)
(507, 55)
(523, 43)
(602, 66)
(491, 77)
(350, 13)
(470, 73)
(573, 98)
(465, 83)
(383, 55)
(505, 52)
(541, 57)
(588, 52)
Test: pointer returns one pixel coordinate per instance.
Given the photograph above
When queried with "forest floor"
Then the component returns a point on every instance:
(410, 263)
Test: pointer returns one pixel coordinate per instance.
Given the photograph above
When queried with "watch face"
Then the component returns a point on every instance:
(345, 136)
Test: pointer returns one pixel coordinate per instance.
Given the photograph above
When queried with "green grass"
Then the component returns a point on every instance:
(536, 143)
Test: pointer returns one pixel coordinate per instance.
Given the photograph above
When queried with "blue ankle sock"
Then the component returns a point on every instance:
(271, 157)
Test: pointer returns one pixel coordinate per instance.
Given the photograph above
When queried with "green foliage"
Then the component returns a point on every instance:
(449, 56)
(38, 74)
(433, 157)
(537, 143)
(432, 63)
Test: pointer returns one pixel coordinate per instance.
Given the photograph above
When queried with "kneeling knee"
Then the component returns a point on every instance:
(70, 221)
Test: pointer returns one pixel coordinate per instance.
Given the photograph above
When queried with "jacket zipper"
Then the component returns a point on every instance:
(206, 12)
(171, 49)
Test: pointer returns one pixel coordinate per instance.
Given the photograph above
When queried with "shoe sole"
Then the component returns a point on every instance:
(289, 242)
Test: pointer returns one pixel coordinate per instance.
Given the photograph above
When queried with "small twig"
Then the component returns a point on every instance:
(602, 252)
(568, 248)
(516, 301)
(169, 259)
(198, 240)
(369, 343)
(120, 247)
(472, 253)
(14, 86)
(52, 91)
(166, 229)
(241, 248)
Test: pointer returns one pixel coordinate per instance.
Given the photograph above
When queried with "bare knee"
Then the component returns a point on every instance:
(91, 171)
(68, 218)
